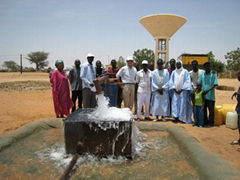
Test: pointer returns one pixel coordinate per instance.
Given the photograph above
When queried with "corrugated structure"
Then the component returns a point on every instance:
(188, 58)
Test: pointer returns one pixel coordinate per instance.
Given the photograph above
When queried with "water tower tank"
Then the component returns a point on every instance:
(162, 27)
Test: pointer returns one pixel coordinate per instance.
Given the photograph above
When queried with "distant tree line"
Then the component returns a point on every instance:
(217, 65)
(11, 66)
(39, 58)
(232, 57)
(233, 61)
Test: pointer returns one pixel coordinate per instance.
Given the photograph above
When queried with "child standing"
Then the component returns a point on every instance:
(198, 103)
(237, 95)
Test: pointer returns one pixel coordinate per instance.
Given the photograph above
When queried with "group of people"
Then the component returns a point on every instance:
(82, 87)
(164, 92)
(175, 92)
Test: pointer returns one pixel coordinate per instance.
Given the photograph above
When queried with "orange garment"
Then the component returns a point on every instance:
(113, 71)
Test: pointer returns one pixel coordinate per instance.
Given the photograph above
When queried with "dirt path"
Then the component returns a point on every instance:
(21, 107)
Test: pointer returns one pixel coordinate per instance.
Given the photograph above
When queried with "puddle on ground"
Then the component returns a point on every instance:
(42, 156)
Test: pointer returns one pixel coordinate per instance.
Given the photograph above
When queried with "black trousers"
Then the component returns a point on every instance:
(77, 95)
(209, 116)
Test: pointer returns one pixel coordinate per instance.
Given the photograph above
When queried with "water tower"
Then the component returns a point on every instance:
(162, 27)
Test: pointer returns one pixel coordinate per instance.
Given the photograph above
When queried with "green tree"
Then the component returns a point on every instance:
(143, 54)
(121, 62)
(11, 66)
(217, 65)
(38, 58)
(233, 60)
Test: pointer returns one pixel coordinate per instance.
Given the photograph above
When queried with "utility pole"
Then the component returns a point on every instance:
(21, 63)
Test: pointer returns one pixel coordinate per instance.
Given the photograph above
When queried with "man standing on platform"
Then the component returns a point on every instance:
(209, 83)
(172, 66)
(113, 69)
(128, 75)
(160, 94)
(113, 89)
(195, 73)
(99, 69)
(180, 85)
(144, 90)
(88, 75)
(76, 83)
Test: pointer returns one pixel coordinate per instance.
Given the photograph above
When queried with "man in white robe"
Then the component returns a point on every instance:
(160, 96)
(180, 84)
(143, 91)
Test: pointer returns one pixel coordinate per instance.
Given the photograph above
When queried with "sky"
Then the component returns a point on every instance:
(69, 29)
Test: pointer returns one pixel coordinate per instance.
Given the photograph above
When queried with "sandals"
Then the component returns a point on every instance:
(236, 142)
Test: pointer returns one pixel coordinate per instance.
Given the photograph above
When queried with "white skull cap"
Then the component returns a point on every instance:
(179, 60)
(144, 62)
(90, 55)
(130, 58)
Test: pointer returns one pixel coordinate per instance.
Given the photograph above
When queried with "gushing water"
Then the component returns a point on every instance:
(113, 116)
(106, 113)
(57, 154)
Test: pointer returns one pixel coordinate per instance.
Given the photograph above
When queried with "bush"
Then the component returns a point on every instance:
(29, 69)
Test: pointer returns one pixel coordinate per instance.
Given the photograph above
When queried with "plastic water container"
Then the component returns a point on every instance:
(232, 120)
(227, 108)
(218, 119)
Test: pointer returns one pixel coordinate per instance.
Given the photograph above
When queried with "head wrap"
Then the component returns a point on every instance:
(181, 68)
(59, 61)
(179, 77)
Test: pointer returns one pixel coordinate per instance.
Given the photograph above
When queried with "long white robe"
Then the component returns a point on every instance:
(181, 103)
(160, 103)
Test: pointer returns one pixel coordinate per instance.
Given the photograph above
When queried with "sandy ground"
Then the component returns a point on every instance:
(21, 106)
(26, 76)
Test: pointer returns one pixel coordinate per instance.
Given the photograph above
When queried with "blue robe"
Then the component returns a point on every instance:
(181, 103)
(160, 103)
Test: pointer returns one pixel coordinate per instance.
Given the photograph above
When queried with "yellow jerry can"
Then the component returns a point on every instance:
(218, 119)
